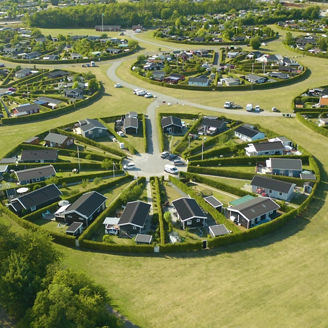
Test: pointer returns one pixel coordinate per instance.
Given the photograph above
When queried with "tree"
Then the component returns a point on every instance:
(289, 39)
(106, 164)
(322, 44)
(255, 42)
(93, 85)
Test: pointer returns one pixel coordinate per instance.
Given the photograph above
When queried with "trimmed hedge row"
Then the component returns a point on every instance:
(312, 126)
(160, 211)
(144, 132)
(61, 166)
(55, 113)
(217, 216)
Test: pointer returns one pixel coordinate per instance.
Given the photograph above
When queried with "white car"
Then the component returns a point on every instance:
(171, 169)
(257, 108)
(141, 93)
(148, 95)
(249, 107)
(118, 85)
(121, 133)
(129, 166)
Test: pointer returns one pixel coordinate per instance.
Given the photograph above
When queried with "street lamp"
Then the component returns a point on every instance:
(204, 139)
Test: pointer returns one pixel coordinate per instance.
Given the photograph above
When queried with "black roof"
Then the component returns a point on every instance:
(219, 230)
(37, 155)
(275, 145)
(89, 124)
(135, 213)
(57, 73)
(36, 173)
(48, 100)
(143, 239)
(247, 131)
(256, 207)
(130, 122)
(87, 204)
(74, 227)
(286, 163)
(171, 120)
(273, 184)
(211, 121)
(188, 208)
(56, 138)
(213, 201)
(39, 196)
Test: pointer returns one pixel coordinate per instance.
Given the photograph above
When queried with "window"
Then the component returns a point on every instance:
(198, 220)
(189, 222)
(134, 228)
(280, 193)
(270, 191)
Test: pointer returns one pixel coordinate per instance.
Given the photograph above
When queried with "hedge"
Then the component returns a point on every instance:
(144, 132)
(312, 126)
(217, 216)
(61, 166)
(55, 113)
(160, 211)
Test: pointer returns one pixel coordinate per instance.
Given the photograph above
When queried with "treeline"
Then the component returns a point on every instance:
(38, 292)
(128, 14)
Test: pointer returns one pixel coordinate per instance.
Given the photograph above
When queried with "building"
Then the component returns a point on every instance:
(171, 125)
(323, 121)
(35, 174)
(75, 229)
(189, 213)
(211, 125)
(131, 123)
(35, 200)
(90, 128)
(23, 73)
(218, 230)
(39, 156)
(200, 81)
(214, 203)
(143, 239)
(273, 187)
(48, 102)
(32, 141)
(84, 210)
(248, 133)
(111, 225)
(133, 218)
(284, 166)
(58, 140)
(25, 109)
(250, 211)
(230, 81)
(256, 79)
(265, 148)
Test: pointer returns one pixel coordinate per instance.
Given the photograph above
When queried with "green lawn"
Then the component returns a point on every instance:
(238, 183)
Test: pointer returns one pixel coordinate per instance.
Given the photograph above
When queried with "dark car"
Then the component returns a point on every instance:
(172, 157)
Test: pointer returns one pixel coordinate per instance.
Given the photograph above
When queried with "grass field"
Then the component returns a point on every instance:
(274, 281)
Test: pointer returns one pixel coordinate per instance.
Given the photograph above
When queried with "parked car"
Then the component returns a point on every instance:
(129, 166)
(274, 109)
(141, 93)
(179, 162)
(257, 108)
(228, 105)
(121, 133)
(165, 154)
(172, 157)
(249, 107)
(148, 95)
(171, 169)
(117, 85)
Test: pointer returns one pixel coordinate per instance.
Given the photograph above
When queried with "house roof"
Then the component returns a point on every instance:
(213, 201)
(241, 200)
(256, 207)
(30, 140)
(135, 213)
(8, 160)
(285, 163)
(3, 168)
(89, 124)
(39, 196)
(130, 122)
(211, 121)
(27, 107)
(273, 184)
(143, 239)
(247, 131)
(36, 173)
(308, 176)
(36, 155)
(171, 120)
(188, 208)
(254, 77)
(44, 100)
(74, 227)
(87, 204)
(219, 230)
(324, 101)
(199, 79)
(56, 138)
(262, 146)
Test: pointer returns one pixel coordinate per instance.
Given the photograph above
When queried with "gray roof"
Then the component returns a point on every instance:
(256, 207)
(143, 239)
(247, 131)
(286, 164)
(74, 227)
(213, 201)
(90, 124)
(188, 208)
(171, 120)
(87, 204)
(27, 108)
(135, 213)
(8, 160)
(130, 122)
(211, 121)
(37, 155)
(49, 100)
(199, 79)
(308, 176)
(219, 230)
(263, 146)
(36, 173)
(30, 140)
(56, 138)
(273, 184)
(39, 196)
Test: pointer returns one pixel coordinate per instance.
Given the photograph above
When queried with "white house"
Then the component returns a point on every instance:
(248, 133)
(265, 148)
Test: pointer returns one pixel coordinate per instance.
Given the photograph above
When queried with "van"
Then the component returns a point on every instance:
(249, 107)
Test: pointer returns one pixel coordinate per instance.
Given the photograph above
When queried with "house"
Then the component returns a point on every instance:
(218, 230)
(3, 169)
(248, 133)
(39, 156)
(113, 51)
(273, 187)
(57, 73)
(76, 93)
(308, 186)
(158, 75)
(323, 101)
(323, 121)
(58, 140)
(131, 123)
(307, 175)
(26, 109)
(85, 209)
(90, 128)
(200, 81)
(35, 174)
(215, 203)
(189, 213)
(111, 225)
(75, 229)
(32, 141)
(48, 102)
(23, 73)
(232, 54)
(250, 211)
(35, 199)
(174, 78)
(230, 81)
(171, 124)
(285, 141)
(252, 78)
(133, 218)
(265, 148)
(211, 125)
(75, 55)
(284, 166)
(143, 239)
(279, 75)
